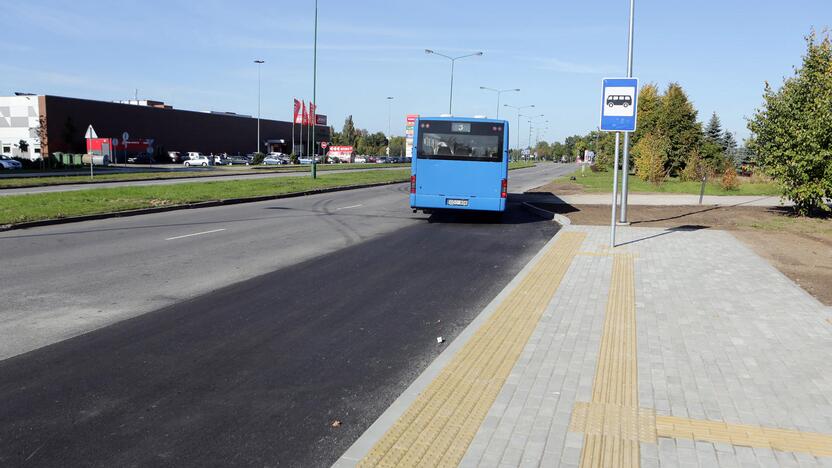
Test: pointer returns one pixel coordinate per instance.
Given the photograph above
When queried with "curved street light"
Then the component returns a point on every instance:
(453, 61)
(518, 109)
(499, 92)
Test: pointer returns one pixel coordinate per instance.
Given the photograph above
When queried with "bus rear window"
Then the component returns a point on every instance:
(452, 140)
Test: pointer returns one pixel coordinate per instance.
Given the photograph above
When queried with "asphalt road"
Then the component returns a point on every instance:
(61, 281)
(333, 307)
(207, 177)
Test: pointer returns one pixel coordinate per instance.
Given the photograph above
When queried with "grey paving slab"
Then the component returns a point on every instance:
(722, 336)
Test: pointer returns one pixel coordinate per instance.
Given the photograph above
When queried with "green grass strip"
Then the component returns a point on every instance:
(602, 182)
(19, 182)
(35, 207)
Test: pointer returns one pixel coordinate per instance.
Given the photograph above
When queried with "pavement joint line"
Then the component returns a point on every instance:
(439, 425)
(195, 234)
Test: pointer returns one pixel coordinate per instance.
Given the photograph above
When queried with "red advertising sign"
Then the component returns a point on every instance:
(320, 119)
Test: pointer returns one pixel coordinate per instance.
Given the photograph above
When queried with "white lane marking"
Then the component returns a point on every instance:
(194, 234)
(347, 207)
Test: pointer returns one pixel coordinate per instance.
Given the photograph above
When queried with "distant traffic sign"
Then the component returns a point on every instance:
(619, 101)
(90, 133)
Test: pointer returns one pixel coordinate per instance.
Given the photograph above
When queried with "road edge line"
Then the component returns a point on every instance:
(188, 206)
(359, 449)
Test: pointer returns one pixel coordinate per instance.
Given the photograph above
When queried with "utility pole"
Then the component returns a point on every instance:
(314, 90)
(259, 63)
(626, 167)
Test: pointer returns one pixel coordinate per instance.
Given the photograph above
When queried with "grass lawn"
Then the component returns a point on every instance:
(519, 164)
(34, 207)
(18, 182)
(602, 182)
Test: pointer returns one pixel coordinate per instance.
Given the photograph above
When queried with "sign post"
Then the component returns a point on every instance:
(619, 102)
(124, 137)
(89, 135)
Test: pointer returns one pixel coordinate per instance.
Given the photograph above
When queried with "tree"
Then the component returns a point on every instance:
(791, 131)
(24, 146)
(649, 108)
(676, 121)
(349, 135)
(729, 144)
(650, 158)
(713, 132)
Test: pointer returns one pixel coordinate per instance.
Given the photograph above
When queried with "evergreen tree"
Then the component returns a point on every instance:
(713, 131)
(729, 144)
(349, 135)
(676, 121)
(649, 107)
(791, 132)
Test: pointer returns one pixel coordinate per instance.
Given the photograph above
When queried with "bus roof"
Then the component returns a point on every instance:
(462, 119)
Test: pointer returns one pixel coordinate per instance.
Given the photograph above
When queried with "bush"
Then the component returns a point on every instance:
(790, 133)
(694, 167)
(650, 158)
(258, 158)
(730, 181)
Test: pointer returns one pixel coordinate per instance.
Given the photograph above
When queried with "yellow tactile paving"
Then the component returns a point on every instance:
(438, 427)
(616, 376)
(642, 424)
(784, 440)
(625, 422)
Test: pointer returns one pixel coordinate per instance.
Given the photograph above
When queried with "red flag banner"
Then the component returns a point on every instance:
(312, 109)
(305, 116)
(297, 112)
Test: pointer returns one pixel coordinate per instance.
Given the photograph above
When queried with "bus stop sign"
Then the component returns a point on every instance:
(619, 101)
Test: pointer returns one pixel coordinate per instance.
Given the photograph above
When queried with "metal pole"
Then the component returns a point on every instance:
(451, 101)
(614, 192)
(314, 89)
(258, 62)
(626, 168)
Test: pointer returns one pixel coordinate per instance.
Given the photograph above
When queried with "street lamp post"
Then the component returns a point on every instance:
(389, 136)
(531, 119)
(259, 63)
(626, 171)
(518, 109)
(314, 90)
(499, 92)
(453, 61)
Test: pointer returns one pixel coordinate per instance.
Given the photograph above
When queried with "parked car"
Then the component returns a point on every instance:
(200, 160)
(218, 160)
(232, 160)
(6, 162)
(360, 159)
(176, 157)
(382, 160)
(274, 161)
(140, 159)
(372, 159)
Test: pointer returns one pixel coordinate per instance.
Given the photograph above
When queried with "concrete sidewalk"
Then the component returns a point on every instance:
(676, 348)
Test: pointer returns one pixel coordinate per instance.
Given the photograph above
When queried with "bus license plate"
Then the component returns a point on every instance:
(456, 202)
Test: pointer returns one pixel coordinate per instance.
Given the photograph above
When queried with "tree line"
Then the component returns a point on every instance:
(364, 142)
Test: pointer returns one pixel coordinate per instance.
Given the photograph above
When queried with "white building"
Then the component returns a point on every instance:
(19, 121)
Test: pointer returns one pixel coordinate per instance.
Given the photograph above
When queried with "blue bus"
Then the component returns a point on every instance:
(459, 164)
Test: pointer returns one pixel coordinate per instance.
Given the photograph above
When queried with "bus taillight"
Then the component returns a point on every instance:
(413, 184)
(503, 188)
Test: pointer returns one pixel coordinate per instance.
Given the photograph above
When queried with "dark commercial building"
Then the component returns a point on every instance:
(66, 120)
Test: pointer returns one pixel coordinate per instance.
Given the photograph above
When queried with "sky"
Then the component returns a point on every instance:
(199, 55)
